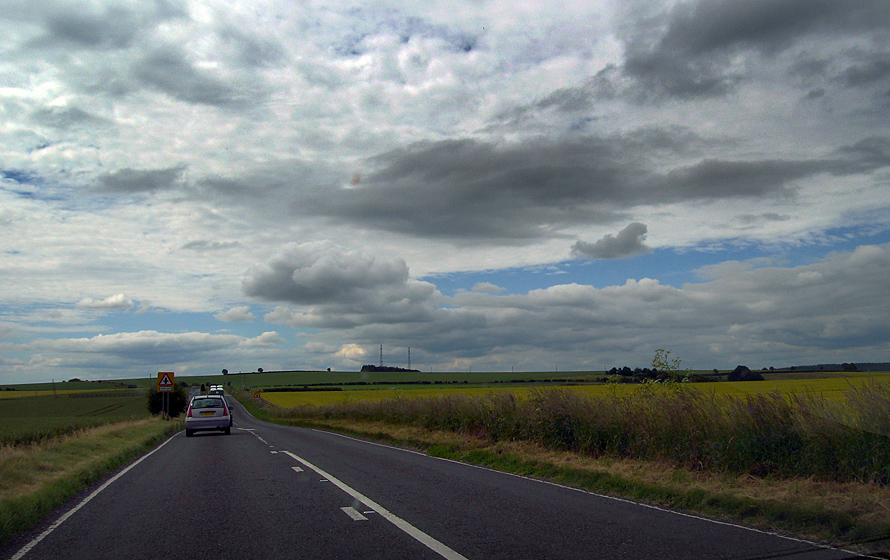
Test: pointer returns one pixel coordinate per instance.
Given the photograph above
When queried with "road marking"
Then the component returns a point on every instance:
(411, 530)
(603, 496)
(353, 513)
(297, 469)
(27, 548)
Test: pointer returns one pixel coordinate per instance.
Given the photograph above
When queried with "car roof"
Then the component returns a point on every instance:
(216, 397)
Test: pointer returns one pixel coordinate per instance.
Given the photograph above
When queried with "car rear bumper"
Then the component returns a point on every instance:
(215, 423)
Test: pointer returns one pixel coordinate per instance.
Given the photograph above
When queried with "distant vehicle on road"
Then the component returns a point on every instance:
(216, 390)
(208, 412)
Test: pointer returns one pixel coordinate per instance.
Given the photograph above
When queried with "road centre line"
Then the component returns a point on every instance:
(411, 530)
(27, 548)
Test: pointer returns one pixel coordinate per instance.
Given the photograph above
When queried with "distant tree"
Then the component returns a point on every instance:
(738, 373)
(668, 367)
(225, 372)
(259, 370)
(742, 373)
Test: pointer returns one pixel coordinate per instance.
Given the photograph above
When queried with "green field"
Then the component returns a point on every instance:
(31, 418)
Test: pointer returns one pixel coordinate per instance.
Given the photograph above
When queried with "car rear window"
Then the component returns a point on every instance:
(207, 403)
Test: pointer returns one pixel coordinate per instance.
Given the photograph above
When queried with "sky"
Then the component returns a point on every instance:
(189, 186)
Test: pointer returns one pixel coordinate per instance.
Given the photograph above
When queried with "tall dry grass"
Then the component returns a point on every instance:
(762, 434)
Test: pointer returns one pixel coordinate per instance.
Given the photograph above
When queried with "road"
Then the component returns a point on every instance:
(269, 491)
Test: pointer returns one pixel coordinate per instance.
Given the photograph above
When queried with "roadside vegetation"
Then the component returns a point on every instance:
(55, 445)
(801, 461)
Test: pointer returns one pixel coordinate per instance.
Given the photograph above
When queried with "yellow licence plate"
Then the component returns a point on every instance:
(207, 413)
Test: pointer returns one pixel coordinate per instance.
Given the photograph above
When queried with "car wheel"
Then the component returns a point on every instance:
(188, 433)
(227, 431)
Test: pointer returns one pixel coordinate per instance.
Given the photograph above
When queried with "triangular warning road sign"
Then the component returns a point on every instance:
(165, 381)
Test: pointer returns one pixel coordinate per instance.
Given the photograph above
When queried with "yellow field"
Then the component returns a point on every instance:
(832, 385)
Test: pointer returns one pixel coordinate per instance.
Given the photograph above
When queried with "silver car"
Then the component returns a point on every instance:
(208, 412)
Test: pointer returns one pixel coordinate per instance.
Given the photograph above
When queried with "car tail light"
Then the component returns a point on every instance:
(190, 411)
(225, 410)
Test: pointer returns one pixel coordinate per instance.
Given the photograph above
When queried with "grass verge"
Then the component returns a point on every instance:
(35, 479)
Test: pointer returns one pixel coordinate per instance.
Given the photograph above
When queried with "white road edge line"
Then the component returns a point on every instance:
(27, 548)
(411, 530)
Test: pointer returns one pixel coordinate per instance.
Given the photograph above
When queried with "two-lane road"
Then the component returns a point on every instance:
(269, 491)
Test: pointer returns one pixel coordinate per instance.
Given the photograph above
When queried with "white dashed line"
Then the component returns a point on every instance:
(353, 513)
(411, 530)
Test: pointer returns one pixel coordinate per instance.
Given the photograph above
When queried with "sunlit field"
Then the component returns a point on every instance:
(832, 427)
(829, 386)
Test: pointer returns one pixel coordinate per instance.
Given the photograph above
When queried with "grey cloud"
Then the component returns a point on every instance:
(252, 51)
(68, 118)
(691, 57)
(867, 155)
(768, 25)
(321, 272)
(343, 289)
(866, 74)
(629, 242)
(152, 347)
(472, 191)
(140, 180)
(170, 72)
(114, 27)
(468, 189)
(205, 245)
(714, 179)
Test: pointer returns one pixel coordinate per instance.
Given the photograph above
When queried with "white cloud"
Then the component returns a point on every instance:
(119, 301)
(487, 287)
(236, 314)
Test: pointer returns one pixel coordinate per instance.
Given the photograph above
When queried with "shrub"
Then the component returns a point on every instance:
(177, 403)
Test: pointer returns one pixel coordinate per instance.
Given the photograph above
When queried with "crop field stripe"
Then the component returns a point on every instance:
(417, 534)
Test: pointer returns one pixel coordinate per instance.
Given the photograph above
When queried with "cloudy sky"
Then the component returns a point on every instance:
(496, 185)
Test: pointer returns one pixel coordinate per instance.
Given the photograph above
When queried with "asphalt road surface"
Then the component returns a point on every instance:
(268, 491)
